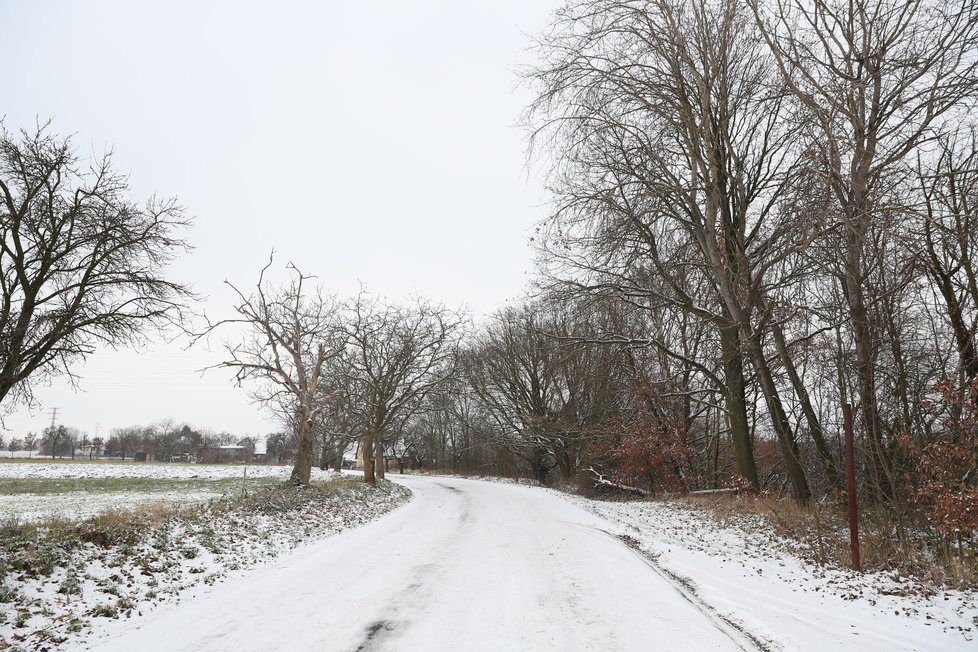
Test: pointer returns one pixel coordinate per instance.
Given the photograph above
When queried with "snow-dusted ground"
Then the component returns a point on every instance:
(176, 555)
(82, 504)
(471, 565)
(78, 505)
(752, 578)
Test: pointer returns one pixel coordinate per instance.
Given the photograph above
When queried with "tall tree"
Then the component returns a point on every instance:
(81, 264)
(878, 80)
(672, 144)
(290, 334)
(397, 356)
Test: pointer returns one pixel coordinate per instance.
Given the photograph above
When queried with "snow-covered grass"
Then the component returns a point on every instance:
(128, 469)
(39, 490)
(768, 585)
(57, 575)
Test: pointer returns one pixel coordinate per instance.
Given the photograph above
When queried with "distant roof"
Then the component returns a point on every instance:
(232, 448)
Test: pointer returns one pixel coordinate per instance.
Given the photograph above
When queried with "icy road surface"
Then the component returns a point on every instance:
(466, 565)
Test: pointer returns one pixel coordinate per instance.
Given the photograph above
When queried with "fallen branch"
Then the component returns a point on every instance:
(601, 481)
(706, 492)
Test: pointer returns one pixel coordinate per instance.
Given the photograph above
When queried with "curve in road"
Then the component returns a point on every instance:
(466, 565)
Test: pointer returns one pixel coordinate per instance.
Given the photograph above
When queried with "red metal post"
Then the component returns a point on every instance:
(851, 487)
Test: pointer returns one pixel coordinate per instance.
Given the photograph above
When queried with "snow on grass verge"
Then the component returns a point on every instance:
(56, 577)
(758, 581)
(64, 489)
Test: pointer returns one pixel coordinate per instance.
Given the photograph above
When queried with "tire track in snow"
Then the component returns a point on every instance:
(375, 634)
(416, 594)
(736, 632)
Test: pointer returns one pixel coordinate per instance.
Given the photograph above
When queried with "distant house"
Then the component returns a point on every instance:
(261, 451)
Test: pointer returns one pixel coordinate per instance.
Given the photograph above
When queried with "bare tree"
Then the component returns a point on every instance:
(950, 236)
(85, 444)
(291, 333)
(125, 440)
(878, 80)
(81, 265)
(545, 387)
(398, 354)
(672, 146)
(281, 446)
(30, 443)
(162, 437)
(339, 420)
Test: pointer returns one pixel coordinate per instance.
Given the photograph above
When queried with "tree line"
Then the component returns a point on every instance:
(781, 193)
(164, 441)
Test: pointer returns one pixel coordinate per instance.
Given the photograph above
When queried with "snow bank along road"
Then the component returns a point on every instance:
(466, 565)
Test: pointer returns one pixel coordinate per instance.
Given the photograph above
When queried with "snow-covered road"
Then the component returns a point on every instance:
(467, 565)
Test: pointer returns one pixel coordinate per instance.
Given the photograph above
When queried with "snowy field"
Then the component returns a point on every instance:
(154, 470)
(32, 491)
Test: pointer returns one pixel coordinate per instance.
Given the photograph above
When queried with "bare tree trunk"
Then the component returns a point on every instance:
(302, 470)
(782, 426)
(814, 425)
(736, 403)
(367, 450)
(338, 457)
(381, 463)
(866, 341)
(324, 457)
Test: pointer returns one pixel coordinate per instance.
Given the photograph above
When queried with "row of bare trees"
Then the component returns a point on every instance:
(352, 371)
(762, 211)
(162, 441)
(168, 440)
(776, 196)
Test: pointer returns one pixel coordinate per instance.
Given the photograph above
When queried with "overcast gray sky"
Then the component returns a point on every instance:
(363, 141)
